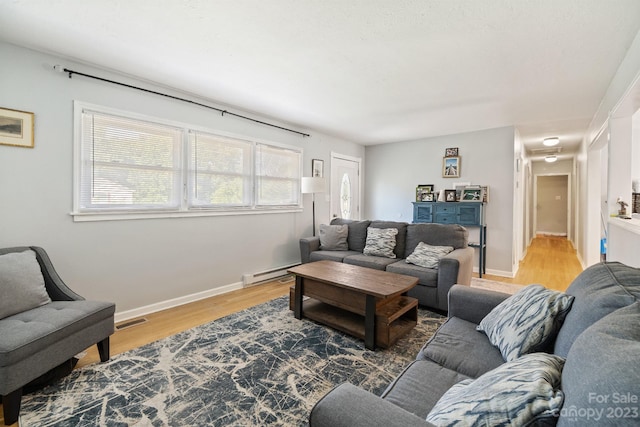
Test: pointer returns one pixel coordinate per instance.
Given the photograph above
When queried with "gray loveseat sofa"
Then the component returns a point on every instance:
(599, 338)
(434, 284)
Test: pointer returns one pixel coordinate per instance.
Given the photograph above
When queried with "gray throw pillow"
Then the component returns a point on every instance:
(21, 283)
(333, 237)
(523, 392)
(526, 321)
(428, 256)
(381, 242)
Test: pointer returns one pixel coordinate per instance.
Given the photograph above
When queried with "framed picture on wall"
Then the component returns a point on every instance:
(317, 168)
(451, 152)
(16, 128)
(451, 167)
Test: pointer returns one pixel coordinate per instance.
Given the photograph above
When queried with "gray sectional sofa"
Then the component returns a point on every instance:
(599, 338)
(434, 283)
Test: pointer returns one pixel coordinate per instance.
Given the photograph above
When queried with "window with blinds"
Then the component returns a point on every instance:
(128, 163)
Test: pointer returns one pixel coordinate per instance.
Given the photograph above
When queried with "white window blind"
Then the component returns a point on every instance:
(277, 176)
(129, 163)
(220, 171)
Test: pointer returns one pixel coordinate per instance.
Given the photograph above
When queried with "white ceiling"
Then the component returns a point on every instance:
(370, 71)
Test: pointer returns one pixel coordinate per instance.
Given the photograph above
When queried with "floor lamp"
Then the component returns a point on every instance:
(312, 185)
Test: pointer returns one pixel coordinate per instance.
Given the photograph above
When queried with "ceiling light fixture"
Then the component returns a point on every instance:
(550, 142)
(550, 159)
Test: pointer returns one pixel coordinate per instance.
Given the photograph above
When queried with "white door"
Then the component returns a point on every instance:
(345, 187)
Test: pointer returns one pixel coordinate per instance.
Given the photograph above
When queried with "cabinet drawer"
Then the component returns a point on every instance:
(446, 218)
(443, 208)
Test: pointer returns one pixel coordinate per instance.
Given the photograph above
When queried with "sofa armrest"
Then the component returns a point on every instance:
(308, 245)
(454, 268)
(350, 406)
(56, 288)
(473, 304)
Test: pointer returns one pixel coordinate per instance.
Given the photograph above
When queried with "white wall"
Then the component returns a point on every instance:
(616, 93)
(394, 170)
(137, 262)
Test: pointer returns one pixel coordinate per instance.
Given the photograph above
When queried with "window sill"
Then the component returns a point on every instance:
(126, 216)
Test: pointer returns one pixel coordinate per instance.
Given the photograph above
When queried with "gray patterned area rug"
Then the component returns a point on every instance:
(260, 366)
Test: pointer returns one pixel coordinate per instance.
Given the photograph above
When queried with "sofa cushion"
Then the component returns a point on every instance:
(599, 290)
(518, 393)
(337, 256)
(601, 373)
(21, 283)
(375, 262)
(459, 346)
(420, 386)
(435, 234)
(47, 324)
(357, 236)
(526, 321)
(333, 237)
(428, 256)
(401, 237)
(381, 242)
(426, 276)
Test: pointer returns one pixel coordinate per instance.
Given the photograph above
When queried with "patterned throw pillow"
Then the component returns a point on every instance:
(526, 321)
(381, 242)
(333, 237)
(428, 256)
(514, 394)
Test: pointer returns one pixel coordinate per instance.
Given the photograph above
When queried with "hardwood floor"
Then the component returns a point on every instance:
(550, 261)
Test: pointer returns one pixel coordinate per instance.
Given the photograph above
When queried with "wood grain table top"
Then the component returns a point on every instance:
(381, 284)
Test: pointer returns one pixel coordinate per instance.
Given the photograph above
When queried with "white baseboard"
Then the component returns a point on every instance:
(175, 302)
(551, 233)
(500, 273)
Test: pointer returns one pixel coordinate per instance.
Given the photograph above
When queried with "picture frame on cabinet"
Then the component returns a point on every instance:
(451, 167)
(449, 195)
(422, 190)
(472, 194)
(428, 197)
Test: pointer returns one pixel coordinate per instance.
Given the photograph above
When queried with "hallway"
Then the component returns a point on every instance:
(550, 261)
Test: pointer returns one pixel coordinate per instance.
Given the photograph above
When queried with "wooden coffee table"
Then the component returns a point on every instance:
(363, 302)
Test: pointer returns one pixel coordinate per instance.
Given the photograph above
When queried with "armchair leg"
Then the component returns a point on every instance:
(103, 349)
(11, 405)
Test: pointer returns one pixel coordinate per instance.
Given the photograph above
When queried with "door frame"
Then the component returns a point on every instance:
(357, 160)
(535, 201)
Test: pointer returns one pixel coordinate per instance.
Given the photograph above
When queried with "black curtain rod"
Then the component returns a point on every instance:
(223, 112)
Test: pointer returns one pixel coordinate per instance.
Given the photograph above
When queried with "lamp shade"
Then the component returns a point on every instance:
(312, 185)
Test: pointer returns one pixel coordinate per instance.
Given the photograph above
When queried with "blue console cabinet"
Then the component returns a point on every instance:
(467, 214)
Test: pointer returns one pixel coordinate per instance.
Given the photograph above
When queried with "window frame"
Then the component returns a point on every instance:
(186, 208)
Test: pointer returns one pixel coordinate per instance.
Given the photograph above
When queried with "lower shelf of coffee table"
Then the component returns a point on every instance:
(392, 322)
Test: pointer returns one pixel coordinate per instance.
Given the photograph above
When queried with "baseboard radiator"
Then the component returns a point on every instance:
(250, 279)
